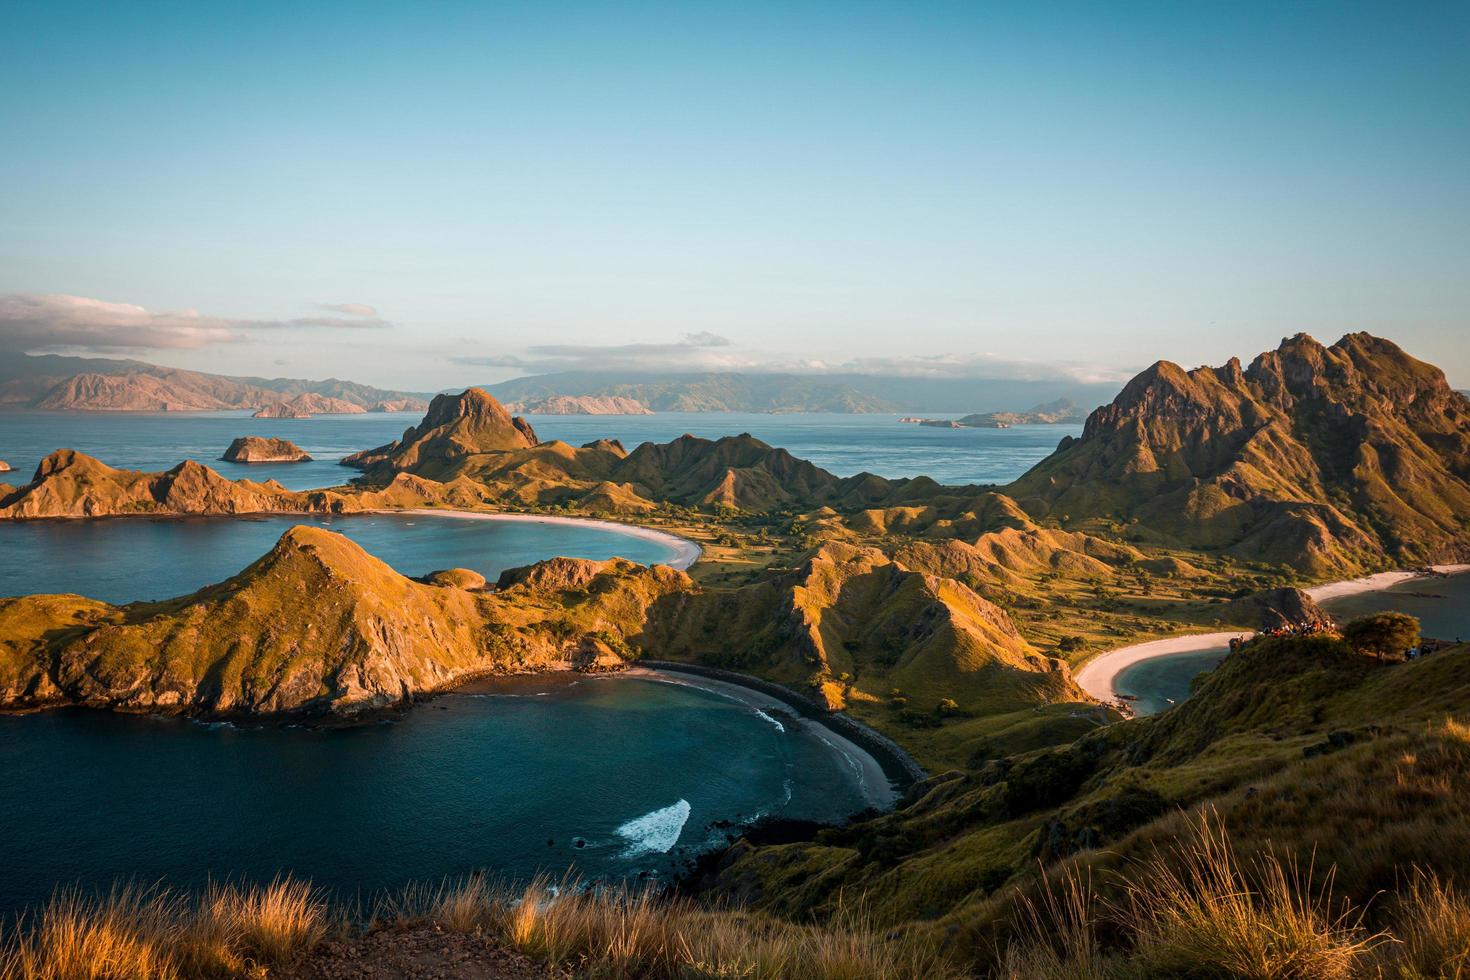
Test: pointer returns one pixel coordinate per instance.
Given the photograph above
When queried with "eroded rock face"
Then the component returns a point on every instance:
(4, 466)
(257, 449)
(1326, 458)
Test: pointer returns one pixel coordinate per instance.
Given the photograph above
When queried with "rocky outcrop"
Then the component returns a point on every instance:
(399, 405)
(4, 466)
(455, 427)
(456, 578)
(1274, 609)
(1328, 459)
(307, 404)
(258, 449)
(315, 626)
(580, 405)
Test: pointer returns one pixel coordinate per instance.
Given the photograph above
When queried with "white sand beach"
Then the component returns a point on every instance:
(686, 552)
(1098, 676)
(1372, 583)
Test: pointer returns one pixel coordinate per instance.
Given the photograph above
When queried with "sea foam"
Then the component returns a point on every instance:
(655, 832)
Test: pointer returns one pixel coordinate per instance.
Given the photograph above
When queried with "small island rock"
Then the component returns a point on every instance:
(257, 449)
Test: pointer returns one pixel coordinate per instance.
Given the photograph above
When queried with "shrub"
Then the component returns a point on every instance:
(1386, 634)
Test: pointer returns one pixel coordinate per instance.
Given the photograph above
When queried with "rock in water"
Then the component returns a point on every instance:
(4, 466)
(257, 449)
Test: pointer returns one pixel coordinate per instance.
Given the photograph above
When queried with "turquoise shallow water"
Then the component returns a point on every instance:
(1159, 684)
(612, 777)
(844, 444)
(124, 558)
(1441, 604)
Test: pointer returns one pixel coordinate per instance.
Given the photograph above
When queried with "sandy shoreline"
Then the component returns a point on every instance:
(874, 782)
(1098, 677)
(1374, 583)
(686, 552)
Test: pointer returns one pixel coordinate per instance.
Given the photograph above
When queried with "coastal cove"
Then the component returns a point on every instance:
(619, 776)
(1153, 676)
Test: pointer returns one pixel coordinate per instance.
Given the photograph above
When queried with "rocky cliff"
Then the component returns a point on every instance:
(1330, 459)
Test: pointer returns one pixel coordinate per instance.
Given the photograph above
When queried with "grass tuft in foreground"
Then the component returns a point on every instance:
(1199, 911)
(604, 933)
(136, 932)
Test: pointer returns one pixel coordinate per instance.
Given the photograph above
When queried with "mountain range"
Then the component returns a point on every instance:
(784, 393)
(54, 382)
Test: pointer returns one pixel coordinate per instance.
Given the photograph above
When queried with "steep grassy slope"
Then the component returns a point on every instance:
(1329, 459)
(317, 625)
(1296, 743)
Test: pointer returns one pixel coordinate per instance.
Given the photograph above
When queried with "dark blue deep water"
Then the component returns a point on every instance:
(635, 770)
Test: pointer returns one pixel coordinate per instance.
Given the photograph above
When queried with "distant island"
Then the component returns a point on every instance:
(1063, 411)
(768, 393)
(57, 383)
(580, 405)
(307, 404)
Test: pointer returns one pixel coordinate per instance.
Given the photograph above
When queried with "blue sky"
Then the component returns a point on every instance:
(477, 190)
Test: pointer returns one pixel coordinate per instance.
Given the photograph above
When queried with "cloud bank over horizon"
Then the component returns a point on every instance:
(57, 321)
(707, 352)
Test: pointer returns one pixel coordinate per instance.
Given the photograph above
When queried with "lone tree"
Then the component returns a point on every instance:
(1385, 634)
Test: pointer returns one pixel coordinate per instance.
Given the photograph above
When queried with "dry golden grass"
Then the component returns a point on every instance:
(133, 933)
(1199, 911)
(1431, 933)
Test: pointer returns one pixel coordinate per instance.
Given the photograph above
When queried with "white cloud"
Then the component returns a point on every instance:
(351, 309)
(30, 321)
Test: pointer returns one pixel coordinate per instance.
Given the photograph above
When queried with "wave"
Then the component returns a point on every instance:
(655, 832)
(779, 727)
